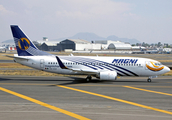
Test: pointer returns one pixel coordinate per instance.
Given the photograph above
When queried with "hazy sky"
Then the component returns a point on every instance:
(145, 20)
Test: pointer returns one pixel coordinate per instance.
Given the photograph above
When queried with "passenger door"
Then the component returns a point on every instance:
(42, 63)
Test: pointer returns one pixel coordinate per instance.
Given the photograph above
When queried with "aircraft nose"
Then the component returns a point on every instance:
(167, 69)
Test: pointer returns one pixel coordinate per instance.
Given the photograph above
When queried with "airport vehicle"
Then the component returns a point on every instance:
(104, 68)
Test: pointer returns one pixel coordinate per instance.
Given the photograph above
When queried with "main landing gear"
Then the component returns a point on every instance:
(88, 78)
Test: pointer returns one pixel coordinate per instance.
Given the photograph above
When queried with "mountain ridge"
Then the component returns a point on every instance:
(91, 37)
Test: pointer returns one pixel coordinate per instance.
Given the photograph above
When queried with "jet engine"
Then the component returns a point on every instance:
(107, 75)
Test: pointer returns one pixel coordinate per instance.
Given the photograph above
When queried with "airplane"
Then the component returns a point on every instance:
(103, 68)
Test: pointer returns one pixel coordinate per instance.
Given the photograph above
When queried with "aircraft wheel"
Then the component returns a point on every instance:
(88, 78)
(148, 80)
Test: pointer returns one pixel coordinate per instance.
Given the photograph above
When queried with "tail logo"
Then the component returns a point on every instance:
(24, 43)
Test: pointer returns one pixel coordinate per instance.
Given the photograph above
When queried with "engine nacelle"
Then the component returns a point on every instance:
(108, 75)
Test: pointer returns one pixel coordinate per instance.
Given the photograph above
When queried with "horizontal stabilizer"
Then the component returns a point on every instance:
(17, 57)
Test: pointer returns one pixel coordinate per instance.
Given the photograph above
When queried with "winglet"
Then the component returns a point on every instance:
(60, 63)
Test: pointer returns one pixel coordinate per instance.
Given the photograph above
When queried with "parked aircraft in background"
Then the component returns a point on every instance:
(1, 48)
(103, 68)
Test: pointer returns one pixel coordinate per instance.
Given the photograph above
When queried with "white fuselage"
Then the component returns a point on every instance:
(124, 66)
(104, 68)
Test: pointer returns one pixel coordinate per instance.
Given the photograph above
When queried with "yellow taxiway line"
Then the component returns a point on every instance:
(116, 99)
(148, 90)
(45, 104)
(38, 84)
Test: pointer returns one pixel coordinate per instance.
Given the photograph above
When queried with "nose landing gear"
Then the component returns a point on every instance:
(149, 80)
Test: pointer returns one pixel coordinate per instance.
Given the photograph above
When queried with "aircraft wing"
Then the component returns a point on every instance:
(84, 71)
(75, 70)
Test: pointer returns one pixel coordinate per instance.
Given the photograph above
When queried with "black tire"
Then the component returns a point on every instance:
(148, 80)
(88, 78)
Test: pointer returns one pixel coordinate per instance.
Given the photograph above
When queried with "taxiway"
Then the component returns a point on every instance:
(70, 98)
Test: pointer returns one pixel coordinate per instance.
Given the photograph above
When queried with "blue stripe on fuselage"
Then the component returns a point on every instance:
(79, 59)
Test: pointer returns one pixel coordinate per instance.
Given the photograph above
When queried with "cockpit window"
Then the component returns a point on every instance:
(157, 64)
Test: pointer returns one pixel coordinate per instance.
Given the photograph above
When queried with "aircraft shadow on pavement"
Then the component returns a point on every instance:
(76, 80)
(83, 80)
(4, 79)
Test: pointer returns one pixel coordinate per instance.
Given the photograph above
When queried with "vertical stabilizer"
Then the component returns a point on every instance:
(24, 46)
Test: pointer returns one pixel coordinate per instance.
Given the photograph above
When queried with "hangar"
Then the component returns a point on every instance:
(74, 44)
(114, 45)
(47, 45)
(79, 44)
(119, 46)
(83, 45)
